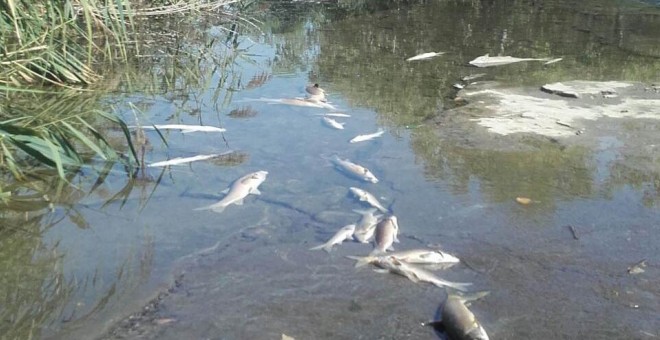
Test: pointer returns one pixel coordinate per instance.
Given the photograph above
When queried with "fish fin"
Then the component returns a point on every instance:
(361, 261)
(462, 286)
(467, 298)
(319, 247)
(255, 191)
(365, 211)
(226, 191)
(396, 239)
(239, 202)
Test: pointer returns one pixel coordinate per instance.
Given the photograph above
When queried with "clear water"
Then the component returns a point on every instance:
(248, 273)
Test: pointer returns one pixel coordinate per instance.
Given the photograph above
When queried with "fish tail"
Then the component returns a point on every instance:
(217, 208)
(319, 247)
(361, 261)
(461, 286)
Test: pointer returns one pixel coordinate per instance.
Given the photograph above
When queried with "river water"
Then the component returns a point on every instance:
(555, 268)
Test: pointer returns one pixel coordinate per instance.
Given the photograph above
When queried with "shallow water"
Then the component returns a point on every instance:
(247, 272)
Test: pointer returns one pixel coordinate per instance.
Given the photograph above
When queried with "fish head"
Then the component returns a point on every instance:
(477, 333)
(356, 191)
(369, 177)
(258, 177)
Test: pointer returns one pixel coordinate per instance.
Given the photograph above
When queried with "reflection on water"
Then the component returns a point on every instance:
(83, 257)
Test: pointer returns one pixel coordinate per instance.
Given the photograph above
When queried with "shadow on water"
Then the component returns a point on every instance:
(82, 256)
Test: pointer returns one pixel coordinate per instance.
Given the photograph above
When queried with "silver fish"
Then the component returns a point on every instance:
(365, 196)
(386, 234)
(308, 102)
(334, 114)
(354, 170)
(366, 227)
(487, 61)
(417, 256)
(343, 234)
(332, 123)
(362, 138)
(182, 160)
(426, 55)
(458, 321)
(183, 127)
(415, 274)
(242, 187)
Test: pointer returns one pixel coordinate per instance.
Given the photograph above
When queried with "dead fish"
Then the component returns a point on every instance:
(315, 91)
(365, 196)
(473, 76)
(386, 235)
(414, 273)
(366, 226)
(183, 127)
(362, 138)
(343, 234)
(307, 102)
(332, 123)
(458, 321)
(334, 114)
(183, 160)
(416, 256)
(637, 268)
(487, 61)
(242, 187)
(426, 55)
(354, 170)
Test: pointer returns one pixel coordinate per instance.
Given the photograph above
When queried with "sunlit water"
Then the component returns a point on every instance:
(248, 273)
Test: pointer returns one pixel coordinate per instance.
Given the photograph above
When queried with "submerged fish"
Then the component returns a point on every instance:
(366, 226)
(426, 55)
(365, 196)
(355, 170)
(487, 61)
(415, 274)
(343, 234)
(242, 187)
(458, 321)
(183, 127)
(386, 235)
(362, 138)
(332, 123)
(417, 256)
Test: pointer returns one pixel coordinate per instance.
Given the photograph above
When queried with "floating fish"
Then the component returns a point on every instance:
(242, 187)
(386, 232)
(366, 226)
(458, 321)
(308, 102)
(343, 234)
(354, 170)
(487, 61)
(184, 128)
(414, 273)
(332, 123)
(425, 56)
(183, 160)
(523, 200)
(334, 114)
(473, 76)
(362, 138)
(365, 196)
(416, 256)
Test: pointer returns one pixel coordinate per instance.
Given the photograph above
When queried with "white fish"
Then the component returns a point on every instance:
(332, 123)
(487, 61)
(343, 234)
(426, 55)
(365, 196)
(334, 114)
(308, 102)
(183, 127)
(248, 184)
(354, 170)
(416, 274)
(183, 160)
(366, 225)
(417, 256)
(473, 76)
(362, 138)
(457, 320)
(386, 232)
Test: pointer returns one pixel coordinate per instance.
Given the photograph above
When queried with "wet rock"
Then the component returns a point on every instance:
(560, 90)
